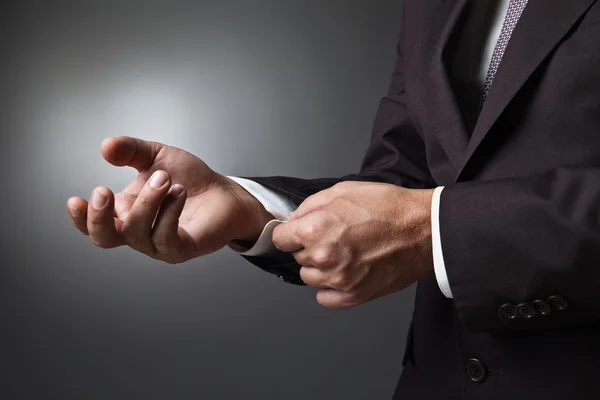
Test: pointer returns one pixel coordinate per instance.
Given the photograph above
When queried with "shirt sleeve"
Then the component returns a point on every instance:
(438, 256)
(276, 204)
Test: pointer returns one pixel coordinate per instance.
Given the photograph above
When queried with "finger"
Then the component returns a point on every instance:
(132, 152)
(313, 277)
(101, 220)
(77, 209)
(336, 299)
(302, 232)
(317, 256)
(165, 234)
(137, 226)
(314, 202)
(285, 237)
(303, 258)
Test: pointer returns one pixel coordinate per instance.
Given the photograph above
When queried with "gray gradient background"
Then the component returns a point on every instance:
(268, 87)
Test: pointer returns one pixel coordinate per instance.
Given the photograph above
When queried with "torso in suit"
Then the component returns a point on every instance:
(520, 212)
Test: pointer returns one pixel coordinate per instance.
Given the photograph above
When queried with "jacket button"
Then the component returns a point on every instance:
(558, 303)
(541, 307)
(508, 311)
(476, 370)
(525, 311)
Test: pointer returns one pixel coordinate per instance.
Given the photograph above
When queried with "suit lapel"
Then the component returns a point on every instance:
(541, 27)
(440, 104)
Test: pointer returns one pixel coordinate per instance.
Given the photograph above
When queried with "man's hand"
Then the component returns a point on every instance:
(359, 241)
(176, 209)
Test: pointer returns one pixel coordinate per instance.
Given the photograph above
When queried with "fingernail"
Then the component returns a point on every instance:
(74, 212)
(176, 190)
(98, 200)
(158, 180)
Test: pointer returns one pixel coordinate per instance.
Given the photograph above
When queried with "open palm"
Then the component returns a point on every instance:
(176, 208)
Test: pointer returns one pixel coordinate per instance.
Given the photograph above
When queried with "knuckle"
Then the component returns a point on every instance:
(320, 221)
(307, 231)
(309, 200)
(312, 228)
(342, 186)
(323, 256)
(306, 203)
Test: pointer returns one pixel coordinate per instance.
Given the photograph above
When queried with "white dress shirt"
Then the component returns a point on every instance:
(280, 207)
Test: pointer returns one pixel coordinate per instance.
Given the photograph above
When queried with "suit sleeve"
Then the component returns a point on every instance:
(396, 155)
(524, 253)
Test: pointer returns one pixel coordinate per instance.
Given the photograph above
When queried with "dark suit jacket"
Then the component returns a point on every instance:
(520, 214)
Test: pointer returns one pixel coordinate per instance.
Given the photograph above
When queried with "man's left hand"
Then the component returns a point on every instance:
(358, 241)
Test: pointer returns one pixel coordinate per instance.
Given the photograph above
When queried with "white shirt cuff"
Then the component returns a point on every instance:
(281, 207)
(276, 204)
(438, 256)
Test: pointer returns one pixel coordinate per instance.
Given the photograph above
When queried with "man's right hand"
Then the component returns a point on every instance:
(176, 209)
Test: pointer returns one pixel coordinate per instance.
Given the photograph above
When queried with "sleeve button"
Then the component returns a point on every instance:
(525, 311)
(541, 307)
(507, 311)
(558, 303)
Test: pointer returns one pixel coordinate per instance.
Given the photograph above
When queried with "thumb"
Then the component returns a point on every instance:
(132, 152)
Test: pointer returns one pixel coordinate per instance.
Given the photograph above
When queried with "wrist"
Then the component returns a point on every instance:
(417, 213)
(426, 204)
(251, 214)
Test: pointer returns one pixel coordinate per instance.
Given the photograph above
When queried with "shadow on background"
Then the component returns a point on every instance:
(252, 87)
